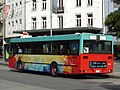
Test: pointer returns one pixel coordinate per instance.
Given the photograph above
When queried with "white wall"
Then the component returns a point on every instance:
(98, 9)
(69, 15)
(71, 11)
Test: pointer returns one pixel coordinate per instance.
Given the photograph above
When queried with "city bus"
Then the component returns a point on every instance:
(80, 53)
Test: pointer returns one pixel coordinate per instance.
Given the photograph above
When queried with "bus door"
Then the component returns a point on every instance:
(74, 48)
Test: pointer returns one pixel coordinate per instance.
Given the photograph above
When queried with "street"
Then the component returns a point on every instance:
(13, 80)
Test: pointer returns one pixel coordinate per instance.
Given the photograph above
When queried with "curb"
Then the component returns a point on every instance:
(5, 64)
(114, 76)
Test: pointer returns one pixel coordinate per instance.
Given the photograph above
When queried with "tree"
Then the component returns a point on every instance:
(112, 21)
(116, 1)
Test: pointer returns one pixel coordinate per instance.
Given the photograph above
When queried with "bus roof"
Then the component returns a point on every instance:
(52, 38)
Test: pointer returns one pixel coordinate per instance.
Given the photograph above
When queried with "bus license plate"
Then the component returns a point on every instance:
(97, 71)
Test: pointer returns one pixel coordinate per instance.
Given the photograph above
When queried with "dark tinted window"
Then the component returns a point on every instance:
(51, 48)
(97, 47)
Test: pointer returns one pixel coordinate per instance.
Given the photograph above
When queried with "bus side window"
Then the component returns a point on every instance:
(74, 51)
(61, 50)
(46, 48)
(74, 48)
(68, 52)
(20, 50)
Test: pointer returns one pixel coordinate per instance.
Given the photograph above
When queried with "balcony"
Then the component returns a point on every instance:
(60, 9)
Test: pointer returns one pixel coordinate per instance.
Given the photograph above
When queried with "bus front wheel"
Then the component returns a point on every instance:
(54, 69)
(20, 67)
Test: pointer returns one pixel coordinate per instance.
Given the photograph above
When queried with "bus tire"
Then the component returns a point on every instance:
(20, 67)
(54, 70)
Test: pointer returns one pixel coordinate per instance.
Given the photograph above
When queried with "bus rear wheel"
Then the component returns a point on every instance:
(20, 67)
(54, 69)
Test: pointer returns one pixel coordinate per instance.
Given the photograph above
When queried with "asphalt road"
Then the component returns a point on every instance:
(39, 81)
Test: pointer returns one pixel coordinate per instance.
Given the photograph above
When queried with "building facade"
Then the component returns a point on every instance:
(1, 17)
(14, 17)
(1, 26)
(36, 14)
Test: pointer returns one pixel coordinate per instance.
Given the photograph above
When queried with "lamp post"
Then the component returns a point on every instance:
(3, 42)
(51, 20)
(102, 18)
(50, 17)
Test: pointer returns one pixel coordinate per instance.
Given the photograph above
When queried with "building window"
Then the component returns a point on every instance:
(16, 21)
(78, 2)
(44, 4)
(34, 23)
(16, 9)
(12, 13)
(13, 23)
(34, 5)
(20, 21)
(9, 23)
(16, 26)
(8, 32)
(60, 3)
(90, 20)
(78, 20)
(20, 24)
(20, 3)
(20, 7)
(90, 2)
(44, 22)
(60, 21)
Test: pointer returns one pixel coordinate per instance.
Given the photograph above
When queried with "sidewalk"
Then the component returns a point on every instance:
(115, 74)
(3, 63)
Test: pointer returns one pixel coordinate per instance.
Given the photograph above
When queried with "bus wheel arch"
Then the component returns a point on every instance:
(20, 66)
(54, 69)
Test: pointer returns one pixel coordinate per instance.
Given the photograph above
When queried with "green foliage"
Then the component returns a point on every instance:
(116, 1)
(112, 21)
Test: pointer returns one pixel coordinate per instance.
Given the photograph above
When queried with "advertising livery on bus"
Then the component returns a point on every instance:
(65, 54)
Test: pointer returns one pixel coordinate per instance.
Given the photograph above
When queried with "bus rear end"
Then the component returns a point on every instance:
(96, 54)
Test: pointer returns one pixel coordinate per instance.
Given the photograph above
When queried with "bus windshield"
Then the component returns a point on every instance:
(97, 47)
